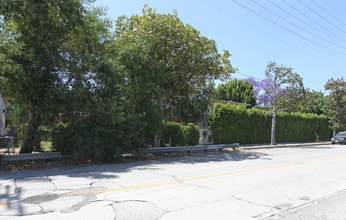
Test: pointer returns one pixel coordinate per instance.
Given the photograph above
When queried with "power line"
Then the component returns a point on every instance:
(296, 26)
(330, 14)
(287, 29)
(247, 23)
(306, 23)
(267, 18)
(312, 20)
(262, 15)
(247, 75)
(326, 20)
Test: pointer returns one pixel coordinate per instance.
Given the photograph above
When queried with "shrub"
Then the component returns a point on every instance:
(179, 134)
(173, 132)
(191, 134)
(88, 139)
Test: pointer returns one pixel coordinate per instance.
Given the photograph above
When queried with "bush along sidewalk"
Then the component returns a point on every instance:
(176, 134)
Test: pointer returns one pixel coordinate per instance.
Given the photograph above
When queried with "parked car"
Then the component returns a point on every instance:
(340, 138)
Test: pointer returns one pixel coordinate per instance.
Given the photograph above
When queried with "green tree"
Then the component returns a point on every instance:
(194, 107)
(284, 87)
(16, 120)
(50, 52)
(236, 91)
(337, 104)
(314, 102)
(165, 59)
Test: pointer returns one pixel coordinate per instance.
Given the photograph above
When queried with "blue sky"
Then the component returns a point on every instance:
(306, 35)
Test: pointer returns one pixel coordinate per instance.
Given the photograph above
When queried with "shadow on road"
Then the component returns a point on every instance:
(110, 171)
(12, 192)
(214, 157)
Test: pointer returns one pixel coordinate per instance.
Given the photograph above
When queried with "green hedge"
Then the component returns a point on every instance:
(84, 140)
(90, 139)
(236, 124)
(179, 134)
(300, 127)
(191, 134)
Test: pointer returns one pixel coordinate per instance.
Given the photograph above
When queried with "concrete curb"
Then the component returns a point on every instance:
(283, 145)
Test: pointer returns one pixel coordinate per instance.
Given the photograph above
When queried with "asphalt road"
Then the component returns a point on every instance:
(285, 183)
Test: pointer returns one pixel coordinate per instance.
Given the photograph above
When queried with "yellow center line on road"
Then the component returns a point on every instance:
(174, 181)
(3, 203)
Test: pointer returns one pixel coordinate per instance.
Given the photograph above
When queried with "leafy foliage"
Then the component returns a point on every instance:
(314, 102)
(96, 138)
(105, 95)
(177, 134)
(191, 134)
(236, 91)
(337, 102)
(172, 133)
(192, 108)
(165, 62)
(284, 90)
(49, 50)
(307, 102)
(234, 124)
(237, 124)
(16, 120)
(285, 86)
(59, 58)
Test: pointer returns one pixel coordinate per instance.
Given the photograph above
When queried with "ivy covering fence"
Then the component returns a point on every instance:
(237, 124)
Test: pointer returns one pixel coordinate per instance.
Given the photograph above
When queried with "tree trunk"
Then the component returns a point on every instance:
(157, 140)
(273, 130)
(34, 124)
(336, 119)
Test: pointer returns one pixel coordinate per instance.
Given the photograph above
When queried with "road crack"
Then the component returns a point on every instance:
(251, 203)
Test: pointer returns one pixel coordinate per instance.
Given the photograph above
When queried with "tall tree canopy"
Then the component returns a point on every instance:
(49, 50)
(314, 102)
(285, 86)
(237, 91)
(165, 60)
(305, 101)
(337, 102)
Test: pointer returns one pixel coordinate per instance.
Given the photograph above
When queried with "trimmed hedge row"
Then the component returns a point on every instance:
(179, 134)
(107, 142)
(85, 140)
(236, 124)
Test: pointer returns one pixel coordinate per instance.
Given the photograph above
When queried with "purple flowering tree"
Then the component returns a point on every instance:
(280, 86)
(259, 88)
